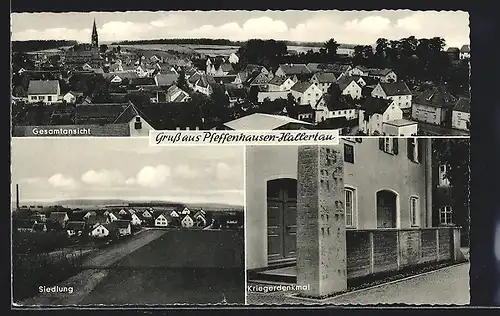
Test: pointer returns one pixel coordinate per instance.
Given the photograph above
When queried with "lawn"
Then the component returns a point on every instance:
(169, 286)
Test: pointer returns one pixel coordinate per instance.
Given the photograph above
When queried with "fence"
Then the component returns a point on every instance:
(384, 250)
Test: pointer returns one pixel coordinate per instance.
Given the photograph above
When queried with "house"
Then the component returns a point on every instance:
(176, 94)
(200, 219)
(224, 69)
(303, 113)
(103, 230)
(165, 80)
(113, 217)
(25, 225)
(434, 106)
(187, 222)
(233, 58)
(266, 122)
(119, 78)
(280, 84)
(147, 214)
(383, 75)
(372, 202)
(89, 214)
(174, 214)
(285, 70)
(397, 92)
(465, 52)
(140, 82)
(306, 93)
(349, 86)
(235, 95)
(401, 127)
(257, 79)
(61, 218)
(46, 91)
(122, 212)
(135, 220)
(346, 50)
(272, 95)
(460, 118)
(358, 71)
(123, 226)
(251, 68)
(185, 211)
(334, 109)
(323, 80)
(162, 221)
(375, 112)
(75, 228)
(72, 96)
(98, 219)
(204, 84)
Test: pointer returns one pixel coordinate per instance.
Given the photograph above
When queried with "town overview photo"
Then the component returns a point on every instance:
(364, 73)
(116, 222)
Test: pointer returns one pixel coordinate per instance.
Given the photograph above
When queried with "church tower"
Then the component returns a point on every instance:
(95, 39)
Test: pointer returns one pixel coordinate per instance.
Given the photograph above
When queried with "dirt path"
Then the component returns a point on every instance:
(106, 257)
(82, 284)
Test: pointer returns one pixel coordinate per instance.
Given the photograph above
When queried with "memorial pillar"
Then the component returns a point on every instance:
(321, 234)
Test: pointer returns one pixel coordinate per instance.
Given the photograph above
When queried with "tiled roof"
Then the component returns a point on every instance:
(375, 105)
(333, 123)
(99, 113)
(167, 79)
(344, 81)
(278, 81)
(145, 81)
(436, 97)
(43, 87)
(75, 225)
(326, 77)
(225, 79)
(379, 72)
(121, 223)
(226, 67)
(294, 69)
(301, 86)
(395, 88)
(463, 105)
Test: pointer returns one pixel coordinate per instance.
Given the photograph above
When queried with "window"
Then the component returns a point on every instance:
(389, 145)
(414, 211)
(413, 149)
(49, 98)
(349, 207)
(443, 180)
(348, 153)
(445, 215)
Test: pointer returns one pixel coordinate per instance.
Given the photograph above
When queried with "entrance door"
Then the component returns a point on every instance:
(386, 209)
(281, 219)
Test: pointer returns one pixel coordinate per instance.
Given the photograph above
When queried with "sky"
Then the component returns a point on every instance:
(347, 27)
(53, 169)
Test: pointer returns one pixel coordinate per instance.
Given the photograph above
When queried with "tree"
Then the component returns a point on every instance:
(181, 81)
(331, 47)
(103, 49)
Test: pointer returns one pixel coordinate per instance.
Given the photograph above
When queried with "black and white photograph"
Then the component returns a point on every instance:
(112, 221)
(370, 221)
(375, 73)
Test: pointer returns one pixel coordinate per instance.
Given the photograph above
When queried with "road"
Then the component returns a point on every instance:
(442, 287)
(107, 256)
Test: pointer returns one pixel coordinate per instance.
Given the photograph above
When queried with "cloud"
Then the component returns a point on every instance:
(130, 181)
(53, 33)
(186, 172)
(30, 181)
(103, 177)
(370, 24)
(153, 177)
(224, 171)
(61, 181)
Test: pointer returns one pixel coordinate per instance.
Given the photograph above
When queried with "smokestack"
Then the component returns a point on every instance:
(17, 196)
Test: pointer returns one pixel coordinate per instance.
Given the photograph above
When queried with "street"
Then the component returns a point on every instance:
(431, 129)
(442, 287)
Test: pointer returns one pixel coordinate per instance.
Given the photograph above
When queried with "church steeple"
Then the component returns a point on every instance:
(95, 39)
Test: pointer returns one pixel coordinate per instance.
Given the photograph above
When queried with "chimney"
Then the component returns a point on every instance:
(17, 196)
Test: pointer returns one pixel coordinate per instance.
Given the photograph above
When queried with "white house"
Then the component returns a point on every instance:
(72, 96)
(383, 75)
(400, 127)
(397, 92)
(285, 70)
(75, 228)
(233, 58)
(272, 95)
(147, 214)
(185, 211)
(325, 111)
(375, 112)
(349, 86)
(323, 80)
(176, 94)
(89, 214)
(124, 228)
(460, 118)
(46, 91)
(280, 84)
(161, 221)
(122, 212)
(112, 217)
(135, 220)
(187, 222)
(224, 69)
(306, 93)
(201, 220)
(100, 231)
(174, 214)
(433, 106)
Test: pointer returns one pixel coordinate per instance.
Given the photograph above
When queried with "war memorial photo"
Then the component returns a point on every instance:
(369, 221)
(115, 222)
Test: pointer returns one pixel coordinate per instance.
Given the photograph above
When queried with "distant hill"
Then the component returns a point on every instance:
(36, 45)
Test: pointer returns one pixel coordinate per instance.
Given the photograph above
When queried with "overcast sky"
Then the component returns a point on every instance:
(52, 169)
(349, 27)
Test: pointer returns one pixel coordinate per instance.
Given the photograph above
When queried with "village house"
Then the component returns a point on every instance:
(349, 86)
(147, 214)
(375, 112)
(104, 230)
(46, 91)
(72, 96)
(433, 106)
(185, 211)
(303, 112)
(204, 84)
(401, 127)
(162, 221)
(187, 222)
(165, 80)
(384, 195)
(233, 58)
(397, 92)
(123, 226)
(176, 94)
(460, 118)
(280, 84)
(465, 52)
(96, 220)
(306, 93)
(323, 80)
(257, 79)
(383, 75)
(60, 218)
(251, 68)
(266, 122)
(174, 214)
(285, 70)
(120, 77)
(224, 69)
(335, 109)
(75, 228)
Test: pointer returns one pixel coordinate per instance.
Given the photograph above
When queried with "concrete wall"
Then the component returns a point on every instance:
(375, 251)
(372, 170)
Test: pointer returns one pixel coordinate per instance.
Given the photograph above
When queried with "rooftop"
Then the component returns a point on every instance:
(43, 87)
(260, 121)
(401, 122)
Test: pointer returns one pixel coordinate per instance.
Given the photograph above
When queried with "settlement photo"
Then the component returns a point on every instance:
(116, 222)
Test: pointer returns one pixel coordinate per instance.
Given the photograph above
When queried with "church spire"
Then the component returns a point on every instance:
(95, 38)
